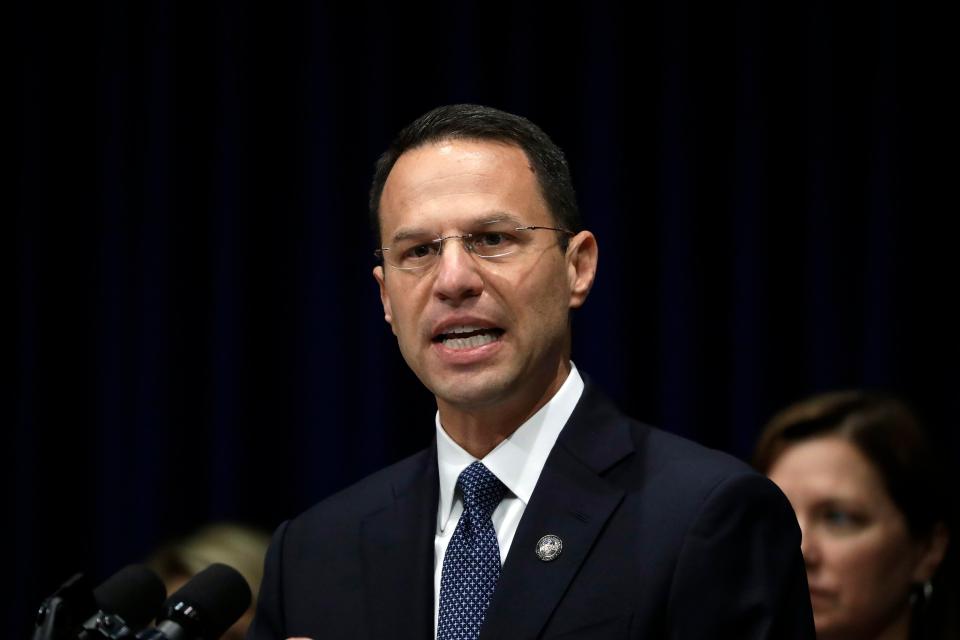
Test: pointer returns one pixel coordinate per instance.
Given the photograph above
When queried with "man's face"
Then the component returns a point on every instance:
(511, 313)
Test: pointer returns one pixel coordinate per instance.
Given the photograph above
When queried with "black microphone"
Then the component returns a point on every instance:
(204, 608)
(131, 596)
(128, 601)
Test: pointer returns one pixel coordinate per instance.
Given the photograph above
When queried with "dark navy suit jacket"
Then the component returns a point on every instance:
(662, 538)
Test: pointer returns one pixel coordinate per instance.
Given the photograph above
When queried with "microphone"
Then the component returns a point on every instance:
(132, 595)
(204, 608)
(128, 601)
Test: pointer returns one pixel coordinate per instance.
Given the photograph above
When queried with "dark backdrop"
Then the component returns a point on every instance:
(197, 335)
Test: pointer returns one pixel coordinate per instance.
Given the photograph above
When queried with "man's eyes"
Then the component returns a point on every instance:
(483, 243)
(491, 239)
(423, 250)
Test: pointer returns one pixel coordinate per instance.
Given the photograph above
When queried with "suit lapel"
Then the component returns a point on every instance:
(397, 549)
(571, 501)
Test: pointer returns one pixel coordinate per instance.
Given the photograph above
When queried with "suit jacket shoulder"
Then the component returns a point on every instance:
(370, 494)
(335, 570)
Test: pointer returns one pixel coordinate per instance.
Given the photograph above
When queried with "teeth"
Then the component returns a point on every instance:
(469, 343)
(466, 328)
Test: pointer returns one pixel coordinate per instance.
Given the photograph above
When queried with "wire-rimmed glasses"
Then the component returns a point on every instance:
(495, 241)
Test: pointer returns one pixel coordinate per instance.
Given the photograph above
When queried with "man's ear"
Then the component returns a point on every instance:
(582, 255)
(384, 296)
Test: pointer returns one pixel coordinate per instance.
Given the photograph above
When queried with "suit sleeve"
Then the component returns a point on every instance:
(740, 573)
(268, 620)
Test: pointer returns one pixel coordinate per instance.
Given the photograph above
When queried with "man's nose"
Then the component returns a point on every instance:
(457, 275)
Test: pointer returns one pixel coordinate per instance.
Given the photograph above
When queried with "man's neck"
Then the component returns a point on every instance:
(479, 429)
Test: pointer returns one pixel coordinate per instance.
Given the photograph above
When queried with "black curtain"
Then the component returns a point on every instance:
(196, 333)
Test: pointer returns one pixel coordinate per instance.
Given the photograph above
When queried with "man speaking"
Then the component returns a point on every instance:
(539, 511)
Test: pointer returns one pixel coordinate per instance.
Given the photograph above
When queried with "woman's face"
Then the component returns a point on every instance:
(861, 560)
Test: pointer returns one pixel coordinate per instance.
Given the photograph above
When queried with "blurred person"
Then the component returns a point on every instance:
(238, 546)
(873, 511)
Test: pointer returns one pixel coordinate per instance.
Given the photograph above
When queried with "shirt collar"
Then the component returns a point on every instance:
(519, 459)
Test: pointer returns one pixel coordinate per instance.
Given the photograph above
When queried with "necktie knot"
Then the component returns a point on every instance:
(482, 491)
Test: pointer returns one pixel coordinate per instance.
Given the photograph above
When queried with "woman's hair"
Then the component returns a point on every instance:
(239, 546)
(890, 436)
(885, 431)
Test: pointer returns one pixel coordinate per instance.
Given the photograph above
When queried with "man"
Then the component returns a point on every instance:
(539, 511)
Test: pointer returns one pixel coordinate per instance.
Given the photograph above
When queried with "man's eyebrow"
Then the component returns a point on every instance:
(416, 232)
(491, 217)
(500, 216)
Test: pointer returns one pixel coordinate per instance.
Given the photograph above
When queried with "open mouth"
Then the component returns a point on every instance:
(468, 337)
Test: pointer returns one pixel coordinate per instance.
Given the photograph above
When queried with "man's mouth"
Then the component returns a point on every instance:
(468, 337)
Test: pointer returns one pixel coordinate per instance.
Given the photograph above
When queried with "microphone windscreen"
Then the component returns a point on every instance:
(218, 594)
(134, 593)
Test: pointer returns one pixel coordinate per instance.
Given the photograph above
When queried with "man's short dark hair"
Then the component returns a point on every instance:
(476, 122)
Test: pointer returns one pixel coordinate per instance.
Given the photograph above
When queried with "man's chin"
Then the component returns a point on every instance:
(470, 391)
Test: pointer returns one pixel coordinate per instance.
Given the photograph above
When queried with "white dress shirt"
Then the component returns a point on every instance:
(517, 463)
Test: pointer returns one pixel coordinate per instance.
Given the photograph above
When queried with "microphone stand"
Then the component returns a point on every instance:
(66, 610)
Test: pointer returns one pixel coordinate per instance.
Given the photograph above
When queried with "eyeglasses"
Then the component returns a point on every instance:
(494, 242)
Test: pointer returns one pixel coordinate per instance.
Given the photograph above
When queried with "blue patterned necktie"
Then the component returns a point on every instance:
(471, 565)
